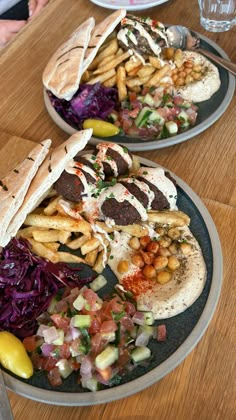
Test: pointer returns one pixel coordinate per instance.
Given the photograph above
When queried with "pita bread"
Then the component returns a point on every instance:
(100, 33)
(15, 185)
(63, 72)
(48, 173)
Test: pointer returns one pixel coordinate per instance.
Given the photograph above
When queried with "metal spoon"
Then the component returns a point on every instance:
(180, 37)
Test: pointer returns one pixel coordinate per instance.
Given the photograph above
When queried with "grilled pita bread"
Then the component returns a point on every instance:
(63, 72)
(15, 185)
(48, 173)
(100, 33)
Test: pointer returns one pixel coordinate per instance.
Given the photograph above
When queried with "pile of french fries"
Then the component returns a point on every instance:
(113, 66)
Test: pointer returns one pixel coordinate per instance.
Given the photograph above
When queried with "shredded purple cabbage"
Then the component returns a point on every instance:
(27, 285)
(90, 101)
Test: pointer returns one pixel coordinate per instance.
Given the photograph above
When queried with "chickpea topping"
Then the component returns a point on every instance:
(173, 233)
(160, 262)
(165, 252)
(173, 263)
(144, 241)
(149, 271)
(134, 243)
(160, 231)
(173, 248)
(165, 242)
(148, 257)
(153, 246)
(186, 73)
(186, 248)
(163, 277)
(123, 266)
(137, 260)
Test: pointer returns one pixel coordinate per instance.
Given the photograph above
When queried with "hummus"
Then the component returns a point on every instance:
(203, 89)
(164, 300)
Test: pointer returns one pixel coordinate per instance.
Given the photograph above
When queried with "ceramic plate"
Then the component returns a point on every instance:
(128, 4)
(184, 330)
(209, 111)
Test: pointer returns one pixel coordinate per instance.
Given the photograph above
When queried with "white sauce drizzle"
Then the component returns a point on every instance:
(102, 157)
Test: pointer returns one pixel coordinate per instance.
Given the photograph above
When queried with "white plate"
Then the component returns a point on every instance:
(128, 4)
(180, 342)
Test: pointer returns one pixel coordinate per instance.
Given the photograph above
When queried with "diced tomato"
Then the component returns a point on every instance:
(48, 363)
(60, 321)
(95, 325)
(134, 113)
(106, 374)
(124, 357)
(30, 343)
(64, 351)
(126, 125)
(132, 96)
(161, 333)
(108, 326)
(127, 323)
(96, 343)
(54, 377)
(61, 306)
(130, 308)
(91, 298)
(116, 305)
(37, 361)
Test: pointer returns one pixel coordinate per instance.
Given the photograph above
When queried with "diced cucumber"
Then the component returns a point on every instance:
(142, 117)
(113, 117)
(148, 318)
(183, 116)
(99, 282)
(60, 340)
(81, 321)
(148, 99)
(172, 127)
(156, 118)
(140, 353)
(185, 125)
(107, 357)
(148, 329)
(52, 305)
(185, 105)
(91, 384)
(79, 302)
(64, 367)
(109, 337)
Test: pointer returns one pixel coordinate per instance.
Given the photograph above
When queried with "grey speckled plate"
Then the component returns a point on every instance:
(184, 330)
(209, 111)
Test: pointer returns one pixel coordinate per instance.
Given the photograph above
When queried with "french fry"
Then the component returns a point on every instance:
(111, 48)
(135, 230)
(145, 71)
(121, 76)
(110, 82)
(155, 62)
(52, 206)
(113, 63)
(136, 81)
(102, 77)
(106, 60)
(78, 242)
(58, 222)
(134, 72)
(173, 218)
(119, 52)
(53, 246)
(131, 65)
(43, 251)
(91, 257)
(68, 258)
(46, 235)
(178, 58)
(99, 264)
(27, 232)
(90, 245)
(64, 236)
(158, 75)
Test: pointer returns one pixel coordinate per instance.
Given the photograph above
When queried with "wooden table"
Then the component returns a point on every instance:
(204, 385)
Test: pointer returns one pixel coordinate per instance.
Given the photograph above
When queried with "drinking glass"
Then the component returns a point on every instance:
(217, 15)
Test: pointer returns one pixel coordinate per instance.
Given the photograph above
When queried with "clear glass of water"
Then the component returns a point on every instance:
(217, 15)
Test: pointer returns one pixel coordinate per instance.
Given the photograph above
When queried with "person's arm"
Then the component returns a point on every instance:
(8, 29)
(35, 6)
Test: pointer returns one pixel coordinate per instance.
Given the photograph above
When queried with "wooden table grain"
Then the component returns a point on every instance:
(203, 385)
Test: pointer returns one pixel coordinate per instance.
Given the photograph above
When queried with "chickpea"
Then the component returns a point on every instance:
(144, 241)
(197, 68)
(173, 263)
(182, 74)
(160, 231)
(186, 248)
(149, 271)
(153, 246)
(189, 79)
(123, 266)
(175, 71)
(173, 248)
(179, 82)
(175, 77)
(196, 76)
(148, 257)
(163, 277)
(165, 242)
(165, 252)
(134, 243)
(137, 260)
(173, 233)
(188, 70)
(188, 64)
(160, 262)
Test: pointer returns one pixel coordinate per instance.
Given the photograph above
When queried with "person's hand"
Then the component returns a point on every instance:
(8, 29)
(35, 6)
